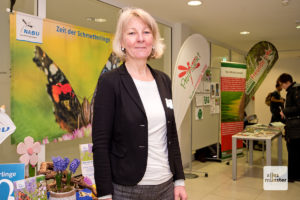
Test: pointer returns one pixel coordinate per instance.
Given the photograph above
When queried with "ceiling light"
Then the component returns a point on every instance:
(194, 3)
(298, 27)
(90, 19)
(284, 2)
(93, 19)
(244, 32)
(100, 20)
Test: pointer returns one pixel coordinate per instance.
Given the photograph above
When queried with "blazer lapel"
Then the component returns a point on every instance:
(162, 92)
(130, 87)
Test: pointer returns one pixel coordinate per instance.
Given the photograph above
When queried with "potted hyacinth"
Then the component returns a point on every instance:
(63, 186)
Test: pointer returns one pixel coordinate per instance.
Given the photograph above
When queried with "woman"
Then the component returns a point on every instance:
(135, 143)
(276, 104)
(292, 134)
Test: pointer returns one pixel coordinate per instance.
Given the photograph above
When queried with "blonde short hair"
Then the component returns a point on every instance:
(125, 15)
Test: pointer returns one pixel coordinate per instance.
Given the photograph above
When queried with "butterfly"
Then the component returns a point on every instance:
(23, 196)
(69, 113)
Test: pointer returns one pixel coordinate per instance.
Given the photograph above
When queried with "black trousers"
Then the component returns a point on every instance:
(277, 118)
(293, 147)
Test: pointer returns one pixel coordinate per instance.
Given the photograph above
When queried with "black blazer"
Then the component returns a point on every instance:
(120, 130)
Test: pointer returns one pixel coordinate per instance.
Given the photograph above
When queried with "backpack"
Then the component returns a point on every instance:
(268, 99)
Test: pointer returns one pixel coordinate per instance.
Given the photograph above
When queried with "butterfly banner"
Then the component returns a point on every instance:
(55, 68)
(192, 62)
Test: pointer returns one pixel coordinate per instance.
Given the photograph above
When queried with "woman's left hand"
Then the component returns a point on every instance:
(180, 193)
(282, 115)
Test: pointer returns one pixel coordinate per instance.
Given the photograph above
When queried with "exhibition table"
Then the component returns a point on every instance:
(250, 134)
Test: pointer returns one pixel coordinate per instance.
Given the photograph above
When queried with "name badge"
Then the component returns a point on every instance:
(169, 103)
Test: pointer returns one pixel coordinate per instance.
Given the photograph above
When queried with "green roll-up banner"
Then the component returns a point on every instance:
(260, 60)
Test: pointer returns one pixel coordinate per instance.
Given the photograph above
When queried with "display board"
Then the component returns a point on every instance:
(233, 79)
(205, 131)
(55, 68)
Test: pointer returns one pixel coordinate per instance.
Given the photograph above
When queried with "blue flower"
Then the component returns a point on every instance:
(58, 163)
(31, 185)
(74, 165)
(66, 163)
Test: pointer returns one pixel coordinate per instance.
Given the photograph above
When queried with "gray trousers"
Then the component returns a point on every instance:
(164, 191)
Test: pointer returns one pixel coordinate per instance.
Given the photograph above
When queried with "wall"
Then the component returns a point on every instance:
(4, 57)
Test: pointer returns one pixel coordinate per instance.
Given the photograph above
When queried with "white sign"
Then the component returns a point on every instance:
(206, 86)
(198, 113)
(233, 72)
(199, 100)
(275, 178)
(29, 28)
(7, 127)
(206, 99)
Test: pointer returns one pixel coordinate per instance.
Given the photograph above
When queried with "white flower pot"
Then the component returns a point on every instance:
(71, 195)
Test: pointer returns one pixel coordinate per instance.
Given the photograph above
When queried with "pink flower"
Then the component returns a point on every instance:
(45, 140)
(78, 133)
(67, 136)
(29, 151)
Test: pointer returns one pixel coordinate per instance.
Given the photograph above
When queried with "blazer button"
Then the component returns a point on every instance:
(170, 142)
(169, 122)
(141, 147)
(142, 125)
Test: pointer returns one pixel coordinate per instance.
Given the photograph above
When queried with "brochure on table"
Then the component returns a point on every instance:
(31, 188)
(259, 130)
(87, 166)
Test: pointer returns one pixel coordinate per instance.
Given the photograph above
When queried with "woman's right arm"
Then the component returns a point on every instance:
(294, 109)
(102, 127)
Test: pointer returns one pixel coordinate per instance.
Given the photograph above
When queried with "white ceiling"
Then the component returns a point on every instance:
(218, 20)
(222, 21)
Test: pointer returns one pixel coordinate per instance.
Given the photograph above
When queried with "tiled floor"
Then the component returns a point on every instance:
(248, 186)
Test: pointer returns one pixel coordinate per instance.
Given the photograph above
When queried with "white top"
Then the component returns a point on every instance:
(158, 168)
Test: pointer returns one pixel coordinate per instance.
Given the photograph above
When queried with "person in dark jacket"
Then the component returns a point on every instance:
(135, 144)
(277, 104)
(291, 112)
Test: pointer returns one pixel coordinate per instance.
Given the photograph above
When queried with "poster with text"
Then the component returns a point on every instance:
(55, 68)
(233, 79)
(87, 163)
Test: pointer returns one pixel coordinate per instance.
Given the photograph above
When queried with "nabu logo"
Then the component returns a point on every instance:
(27, 29)
(4, 129)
